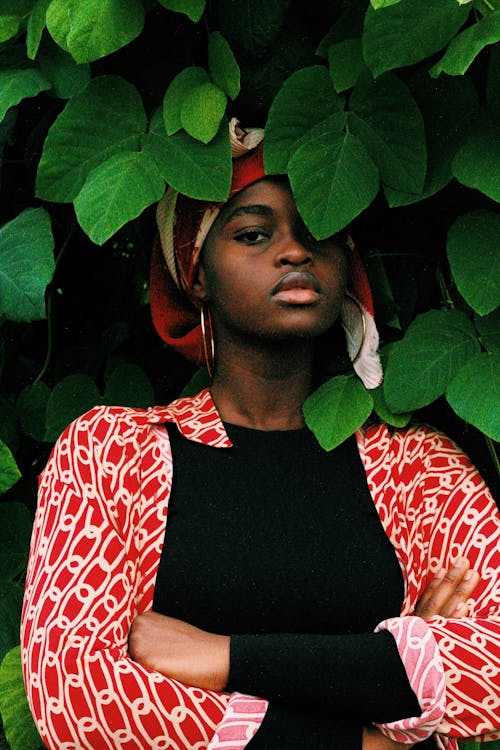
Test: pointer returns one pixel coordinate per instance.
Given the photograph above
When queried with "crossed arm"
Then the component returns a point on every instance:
(179, 650)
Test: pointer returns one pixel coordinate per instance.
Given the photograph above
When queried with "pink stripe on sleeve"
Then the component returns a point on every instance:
(242, 718)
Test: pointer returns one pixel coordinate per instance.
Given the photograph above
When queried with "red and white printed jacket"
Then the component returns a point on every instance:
(96, 546)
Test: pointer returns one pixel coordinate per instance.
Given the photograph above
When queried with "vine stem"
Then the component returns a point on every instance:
(488, 4)
(48, 356)
(493, 453)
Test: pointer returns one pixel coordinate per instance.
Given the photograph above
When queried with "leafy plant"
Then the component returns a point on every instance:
(385, 116)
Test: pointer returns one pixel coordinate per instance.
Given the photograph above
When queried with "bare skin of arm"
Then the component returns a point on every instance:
(196, 657)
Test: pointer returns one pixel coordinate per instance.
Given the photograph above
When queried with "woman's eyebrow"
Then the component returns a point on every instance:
(258, 209)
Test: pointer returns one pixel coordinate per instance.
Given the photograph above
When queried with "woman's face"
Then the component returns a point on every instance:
(262, 272)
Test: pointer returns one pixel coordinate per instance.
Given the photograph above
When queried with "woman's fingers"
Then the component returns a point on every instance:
(447, 593)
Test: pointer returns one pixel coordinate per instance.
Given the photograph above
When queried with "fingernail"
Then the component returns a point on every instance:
(460, 562)
(460, 607)
(468, 575)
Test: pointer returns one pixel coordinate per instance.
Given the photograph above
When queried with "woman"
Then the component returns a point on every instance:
(279, 560)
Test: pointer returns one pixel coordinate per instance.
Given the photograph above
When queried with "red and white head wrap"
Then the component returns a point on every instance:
(184, 224)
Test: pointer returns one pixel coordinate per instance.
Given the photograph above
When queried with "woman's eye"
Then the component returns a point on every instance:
(252, 237)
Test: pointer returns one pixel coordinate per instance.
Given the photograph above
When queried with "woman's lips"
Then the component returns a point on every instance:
(297, 288)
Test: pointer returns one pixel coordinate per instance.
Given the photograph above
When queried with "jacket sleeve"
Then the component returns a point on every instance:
(453, 515)
(95, 547)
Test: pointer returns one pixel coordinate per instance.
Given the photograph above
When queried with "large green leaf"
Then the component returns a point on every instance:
(116, 192)
(90, 29)
(26, 265)
(31, 407)
(477, 163)
(305, 100)
(12, 16)
(175, 96)
(337, 409)
(489, 330)
(474, 393)
(449, 107)
(105, 118)
(71, 397)
(128, 385)
(466, 46)
(385, 413)
(66, 76)
(36, 25)
(202, 111)
(333, 178)
(19, 726)
(409, 31)
(222, 65)
(493, 83)
(346, 63)
(251, 26)
(11, 600)
(385, 117)
(9, 473)
(191, 8)
(16, 85)
(420, 367)
(472, 249)
(202, 171)
(383, 3)
(15, 534)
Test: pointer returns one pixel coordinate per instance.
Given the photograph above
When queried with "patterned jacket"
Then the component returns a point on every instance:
(96, 546)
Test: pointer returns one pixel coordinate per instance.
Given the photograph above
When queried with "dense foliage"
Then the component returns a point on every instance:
(385, 115)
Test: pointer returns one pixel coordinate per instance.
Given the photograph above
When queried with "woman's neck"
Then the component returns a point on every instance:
(263, 388)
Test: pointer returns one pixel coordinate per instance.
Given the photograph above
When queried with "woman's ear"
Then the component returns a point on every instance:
(199, 287)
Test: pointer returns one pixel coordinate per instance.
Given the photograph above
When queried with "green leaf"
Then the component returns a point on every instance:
(71, 397)
(9, 473)
(116, 192)
(26, 265)
(489, 331)
(493, 83)
(409, 31)
(202, 111)
(333, 178)
(128, 385)
(18, 723)
(467, 45)
(474, 393)
(36, 25)
(90, 29)
(11, 602)
(385, 117)
(383, 3)
(31, 407)
(183, 83)
(9, 27)
(346, 63)
(15, 535)
(193, 9)
(16, 85)
(107, 117)
(420, 367)
(195, 169)
(384, 411)
(449, 107)
(304, 101)
(222, 65)
(66, 76)
(477, 163)
(197, 383)
(472, 249)
(251, 26)
(337, 409)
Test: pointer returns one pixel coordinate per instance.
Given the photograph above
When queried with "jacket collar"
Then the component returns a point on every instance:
(196, 417)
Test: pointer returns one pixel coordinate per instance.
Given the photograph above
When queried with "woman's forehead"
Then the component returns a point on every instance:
(270, 191)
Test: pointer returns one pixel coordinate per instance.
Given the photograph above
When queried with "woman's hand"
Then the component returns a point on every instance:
(447, 593)
(179, 650)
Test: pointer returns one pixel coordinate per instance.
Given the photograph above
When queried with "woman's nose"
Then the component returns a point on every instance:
(293, 252)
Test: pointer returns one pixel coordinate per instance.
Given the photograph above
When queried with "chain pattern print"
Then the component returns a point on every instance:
(95, 552)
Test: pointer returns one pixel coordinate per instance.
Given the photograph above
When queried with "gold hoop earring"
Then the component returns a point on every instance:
(348, 329)
(208, 353)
